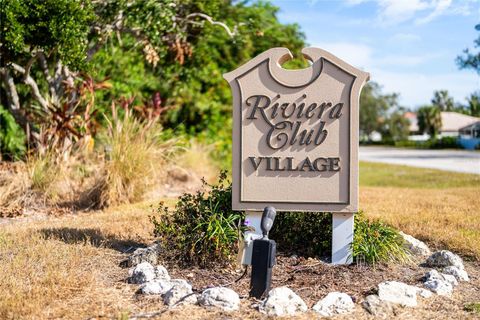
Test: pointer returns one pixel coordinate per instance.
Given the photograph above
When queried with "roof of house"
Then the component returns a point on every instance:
(451, 121)
(475, 125)
(454, 121)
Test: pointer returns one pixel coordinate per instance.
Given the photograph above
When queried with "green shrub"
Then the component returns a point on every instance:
(444, 143)
(407, 144)
(202, 229)
(12, 137)
(376, 242)
(307, 234)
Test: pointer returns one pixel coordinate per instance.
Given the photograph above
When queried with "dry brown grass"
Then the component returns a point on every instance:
(196, 160)
(442, 217)
(14, 189)
(68, 267)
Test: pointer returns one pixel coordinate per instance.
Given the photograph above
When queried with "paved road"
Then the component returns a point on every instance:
(450, 160)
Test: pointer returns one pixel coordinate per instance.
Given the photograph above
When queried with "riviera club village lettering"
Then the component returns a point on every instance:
(285, 121)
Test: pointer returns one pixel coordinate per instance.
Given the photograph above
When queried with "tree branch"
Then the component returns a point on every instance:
(29, 66)
(44, 65)
(213, 22)
(14, 102)
(33, 85)
(57, 78)
(11, 89)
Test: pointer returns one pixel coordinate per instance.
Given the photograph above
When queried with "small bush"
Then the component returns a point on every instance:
(303, 233)
(442, 143)
(202, 229)
(376, 242)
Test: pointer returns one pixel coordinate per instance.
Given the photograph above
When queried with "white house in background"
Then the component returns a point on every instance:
(452, 122)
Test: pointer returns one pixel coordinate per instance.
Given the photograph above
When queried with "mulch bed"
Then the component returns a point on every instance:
(311, 279)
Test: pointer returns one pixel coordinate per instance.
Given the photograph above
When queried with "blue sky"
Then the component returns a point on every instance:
(408, 46)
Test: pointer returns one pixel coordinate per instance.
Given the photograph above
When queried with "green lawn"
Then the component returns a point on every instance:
(387, 175)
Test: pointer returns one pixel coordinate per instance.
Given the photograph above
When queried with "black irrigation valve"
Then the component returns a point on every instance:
(263, 257)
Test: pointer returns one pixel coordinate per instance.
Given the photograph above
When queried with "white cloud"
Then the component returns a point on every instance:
(440, 6)
(396, 11)
(391, 12)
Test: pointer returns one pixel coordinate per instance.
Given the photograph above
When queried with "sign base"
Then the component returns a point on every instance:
(342, 237)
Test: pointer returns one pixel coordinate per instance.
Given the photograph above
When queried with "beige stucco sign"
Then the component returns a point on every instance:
(295, 133)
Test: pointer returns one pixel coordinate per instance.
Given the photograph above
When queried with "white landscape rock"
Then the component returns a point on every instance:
(149, 254)
(156, 286)
(434, 274)
(441, 284)
(415, 246)
(334, 303)
(440, 287)
(445, 258)
(282, 302)
(398, 293)
(161, 273)
(142, 273)
(377, 307)
(146, 272)
(458, 273)
(220, 297)
(424, 293)
(180, 293)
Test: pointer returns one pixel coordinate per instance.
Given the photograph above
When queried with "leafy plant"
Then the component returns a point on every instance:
(376, 242)
(202, 229)
(12, 137)
(303, 233)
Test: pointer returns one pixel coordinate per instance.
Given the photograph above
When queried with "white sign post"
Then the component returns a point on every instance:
(295, 139)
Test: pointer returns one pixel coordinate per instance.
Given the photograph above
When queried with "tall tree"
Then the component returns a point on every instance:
(398, 126)
(443, 101)
(474, 104)
(471, 59)
(429, 120)
(374, 107)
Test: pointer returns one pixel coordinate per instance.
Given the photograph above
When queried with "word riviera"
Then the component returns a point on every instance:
(288, 131)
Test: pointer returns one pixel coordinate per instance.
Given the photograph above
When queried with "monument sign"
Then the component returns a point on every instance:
(295, 135)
